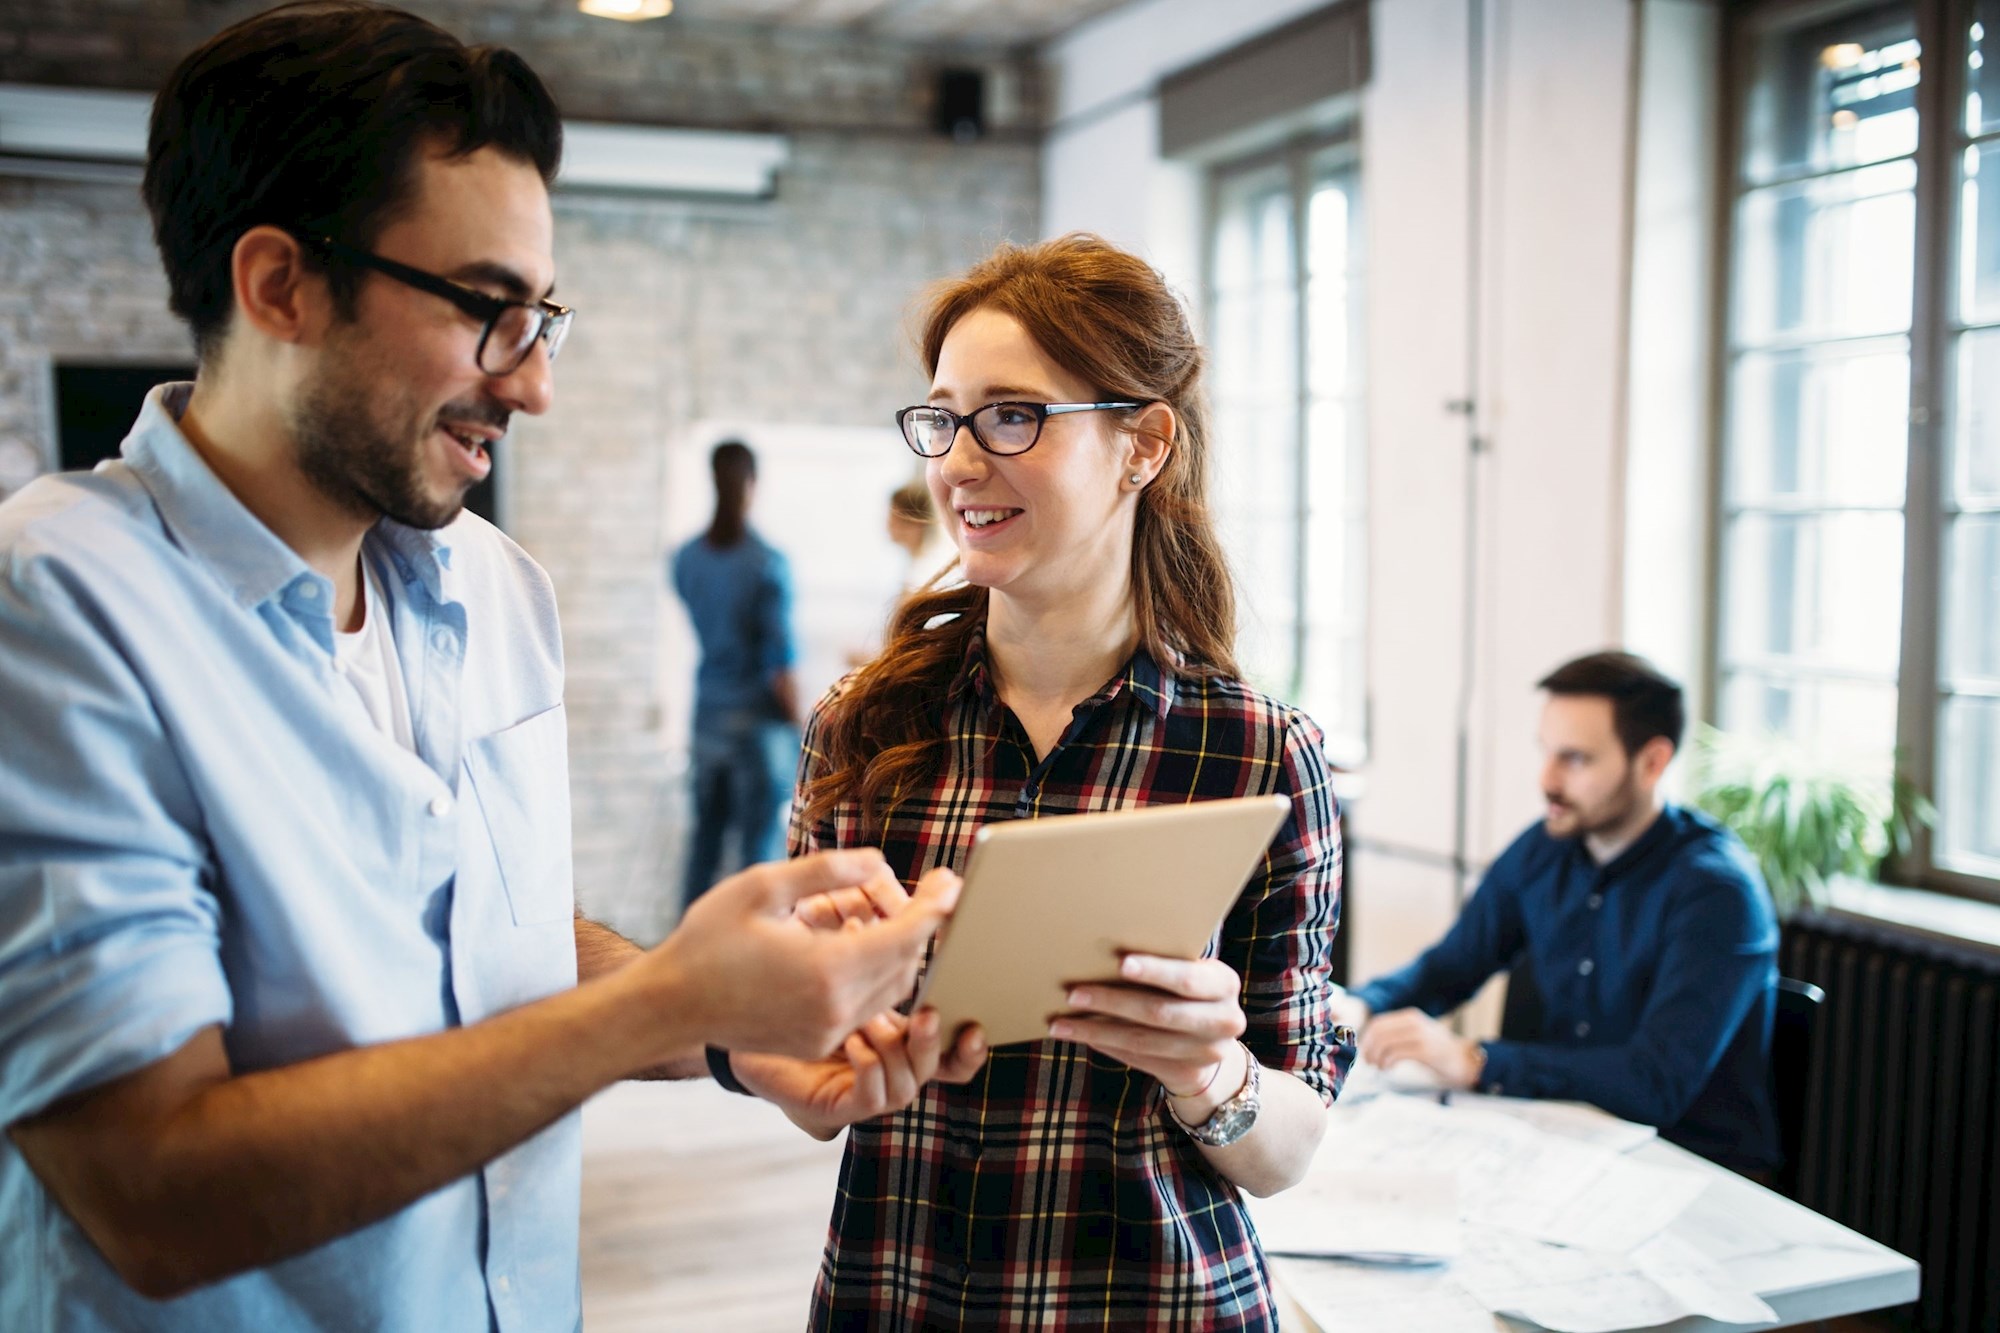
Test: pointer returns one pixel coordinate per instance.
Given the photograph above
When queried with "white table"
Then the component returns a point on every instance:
(1805, 1267)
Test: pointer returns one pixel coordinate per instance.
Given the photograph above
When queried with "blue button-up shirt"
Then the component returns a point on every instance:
(199, 824)
(1657, 974)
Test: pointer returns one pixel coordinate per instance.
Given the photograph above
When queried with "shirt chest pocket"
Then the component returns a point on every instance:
(521, 779)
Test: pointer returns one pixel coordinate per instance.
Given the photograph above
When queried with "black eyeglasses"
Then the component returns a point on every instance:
(998, 428)
(511, 327)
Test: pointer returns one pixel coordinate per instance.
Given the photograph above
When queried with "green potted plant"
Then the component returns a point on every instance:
(1806, 816)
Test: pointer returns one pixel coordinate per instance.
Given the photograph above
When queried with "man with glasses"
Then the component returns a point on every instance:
(295, 1009)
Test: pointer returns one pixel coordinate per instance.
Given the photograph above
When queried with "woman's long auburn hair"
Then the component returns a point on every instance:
(1110, 320)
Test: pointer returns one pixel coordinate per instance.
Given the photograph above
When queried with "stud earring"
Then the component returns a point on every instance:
(1137, 478)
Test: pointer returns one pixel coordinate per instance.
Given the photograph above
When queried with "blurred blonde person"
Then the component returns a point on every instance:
(913, 526)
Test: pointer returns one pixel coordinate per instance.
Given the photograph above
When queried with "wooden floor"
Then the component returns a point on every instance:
(701, 1210)
(706, 1210)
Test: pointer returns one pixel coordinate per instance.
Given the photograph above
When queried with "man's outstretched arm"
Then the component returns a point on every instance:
(600, 951)
(184, 1173)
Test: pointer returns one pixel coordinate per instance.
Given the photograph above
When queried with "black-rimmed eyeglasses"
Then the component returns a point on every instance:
(511, 328)
(998, 428)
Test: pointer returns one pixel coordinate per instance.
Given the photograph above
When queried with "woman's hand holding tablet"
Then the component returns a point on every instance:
(1174, 1018)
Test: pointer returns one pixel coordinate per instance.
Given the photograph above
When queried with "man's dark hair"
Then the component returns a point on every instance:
(735, 467)
(312, 115)
(1644, 702)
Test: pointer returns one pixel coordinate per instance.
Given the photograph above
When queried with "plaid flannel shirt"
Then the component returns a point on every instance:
(1054, 1190)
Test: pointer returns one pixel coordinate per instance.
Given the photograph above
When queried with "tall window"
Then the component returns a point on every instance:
(1859, 580)
(1284, 283)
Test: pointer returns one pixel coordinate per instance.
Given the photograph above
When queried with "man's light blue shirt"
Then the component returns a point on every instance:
(200, 825)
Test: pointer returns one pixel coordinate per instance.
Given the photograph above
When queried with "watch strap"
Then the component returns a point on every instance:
(719, 1070)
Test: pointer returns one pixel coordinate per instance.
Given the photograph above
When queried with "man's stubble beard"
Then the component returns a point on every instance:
(346, 455)
(1616, 809)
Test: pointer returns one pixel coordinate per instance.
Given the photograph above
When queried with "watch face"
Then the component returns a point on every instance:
(1233, 1123)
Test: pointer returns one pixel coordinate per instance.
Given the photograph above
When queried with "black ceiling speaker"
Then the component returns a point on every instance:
(961, 104)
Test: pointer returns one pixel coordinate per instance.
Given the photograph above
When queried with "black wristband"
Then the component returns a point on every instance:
(718, 1067)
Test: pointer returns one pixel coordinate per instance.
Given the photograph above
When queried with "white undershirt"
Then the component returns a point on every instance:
(367, 660)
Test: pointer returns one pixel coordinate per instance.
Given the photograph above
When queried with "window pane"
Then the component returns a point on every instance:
(1826, 425)
(1256, 511)
(1976, 429)
(1820, 590)
(1327, 228)
(1982, 90)
(1827, 257)
(1841, 718)
(1335, 689)
(1972, 598)
(1979, 292)
(1968, 831)
(1834, 95)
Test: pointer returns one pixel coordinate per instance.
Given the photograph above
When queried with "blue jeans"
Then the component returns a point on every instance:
(743, 769)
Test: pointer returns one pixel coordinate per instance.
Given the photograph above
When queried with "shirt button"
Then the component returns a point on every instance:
(1585, 968)
(440, 806)
(964, 1270)
(309, 590)
(442, 640)
(500, 1284)
(1583, 1029)
(1595, 901)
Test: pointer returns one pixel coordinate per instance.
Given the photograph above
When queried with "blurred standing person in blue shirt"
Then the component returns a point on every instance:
(1645, 927)
(745, 745)
(296, 1009)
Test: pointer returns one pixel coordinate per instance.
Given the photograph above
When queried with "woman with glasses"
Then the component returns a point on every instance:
(1089, 1179)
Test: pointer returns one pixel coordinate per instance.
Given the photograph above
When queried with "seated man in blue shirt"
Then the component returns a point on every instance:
(1646, 927)
(296, 1012)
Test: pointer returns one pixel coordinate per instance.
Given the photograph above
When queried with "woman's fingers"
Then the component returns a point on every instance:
(870, 1084)
(966, 1055)
(1192, 978)
(1146, 1007)
(899, 1080)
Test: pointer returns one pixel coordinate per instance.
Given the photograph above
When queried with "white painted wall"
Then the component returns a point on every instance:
(1591, 495)
(1101, 169)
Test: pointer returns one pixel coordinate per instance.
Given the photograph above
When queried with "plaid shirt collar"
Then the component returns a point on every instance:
(1141, 678)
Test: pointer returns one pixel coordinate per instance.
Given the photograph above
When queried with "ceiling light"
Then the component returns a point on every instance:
(1844, 55)
(629, 10)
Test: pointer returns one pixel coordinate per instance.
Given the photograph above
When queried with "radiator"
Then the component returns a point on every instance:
(1902, 1132)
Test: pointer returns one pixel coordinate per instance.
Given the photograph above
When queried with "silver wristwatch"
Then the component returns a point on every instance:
(1231, 1120)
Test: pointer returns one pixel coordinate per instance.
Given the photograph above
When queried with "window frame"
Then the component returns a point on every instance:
(1304, 161)
(1941, 28)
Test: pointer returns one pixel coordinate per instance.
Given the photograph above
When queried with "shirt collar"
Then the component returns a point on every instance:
(202, 515)
(1657, 835)
(1141, 677)
(208, 522)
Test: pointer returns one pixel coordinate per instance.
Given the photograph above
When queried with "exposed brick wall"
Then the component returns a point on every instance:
(674, 71)
(791, 310)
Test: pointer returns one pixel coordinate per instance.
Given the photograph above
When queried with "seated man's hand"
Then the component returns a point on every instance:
(879, 1069)
(1349, 1009)
(1412, 1034)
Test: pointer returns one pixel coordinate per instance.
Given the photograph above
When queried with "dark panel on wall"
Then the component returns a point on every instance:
(97, 402)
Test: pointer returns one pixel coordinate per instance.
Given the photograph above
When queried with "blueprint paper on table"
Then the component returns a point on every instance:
(1570, 1290)
(1576, 1120)
(1513, 1176)
(1363, 1213)
(1344, 1297)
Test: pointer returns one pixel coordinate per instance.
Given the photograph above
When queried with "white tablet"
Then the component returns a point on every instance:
(1055, 901)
